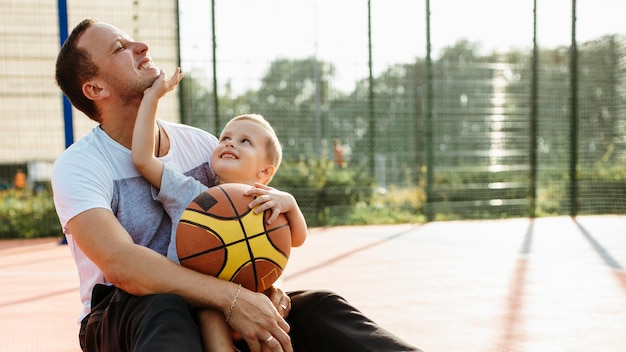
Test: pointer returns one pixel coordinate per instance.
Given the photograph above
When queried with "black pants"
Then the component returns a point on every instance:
(320, 321)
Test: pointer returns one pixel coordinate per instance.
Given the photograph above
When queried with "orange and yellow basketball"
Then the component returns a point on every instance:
(220, 235)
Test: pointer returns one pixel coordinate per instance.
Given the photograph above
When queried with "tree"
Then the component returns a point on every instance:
(195, 101)
(288, 97)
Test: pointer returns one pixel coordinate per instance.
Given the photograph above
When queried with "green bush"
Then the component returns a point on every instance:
(386, 206)
(319, 187)
(28, 214)
(331, 196)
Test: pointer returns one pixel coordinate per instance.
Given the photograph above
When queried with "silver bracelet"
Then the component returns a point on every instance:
(232, 304)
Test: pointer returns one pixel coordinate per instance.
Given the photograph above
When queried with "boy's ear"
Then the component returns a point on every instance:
(94, 90)
(267, 173)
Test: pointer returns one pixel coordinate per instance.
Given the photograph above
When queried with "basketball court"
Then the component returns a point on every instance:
(549, 284)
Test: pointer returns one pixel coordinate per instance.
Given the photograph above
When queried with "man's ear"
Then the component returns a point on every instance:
(94, 90)
(267, 173)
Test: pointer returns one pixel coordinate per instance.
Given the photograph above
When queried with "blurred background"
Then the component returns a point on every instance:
(388, 111)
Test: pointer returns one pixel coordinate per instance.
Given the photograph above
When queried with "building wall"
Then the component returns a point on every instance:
(31, 113)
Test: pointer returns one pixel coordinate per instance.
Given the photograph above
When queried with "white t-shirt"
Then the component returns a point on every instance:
(98, 172)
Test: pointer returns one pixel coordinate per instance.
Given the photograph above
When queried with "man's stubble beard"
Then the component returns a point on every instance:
(131, 92)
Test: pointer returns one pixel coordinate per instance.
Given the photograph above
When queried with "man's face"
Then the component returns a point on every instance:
(124, 65)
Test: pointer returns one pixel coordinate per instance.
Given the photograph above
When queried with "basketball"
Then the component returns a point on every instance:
(220, 235)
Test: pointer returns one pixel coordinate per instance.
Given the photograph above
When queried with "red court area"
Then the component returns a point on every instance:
(549, 284)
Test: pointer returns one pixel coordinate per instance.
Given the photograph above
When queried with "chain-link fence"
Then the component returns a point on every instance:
(476, 127)
(441, 109)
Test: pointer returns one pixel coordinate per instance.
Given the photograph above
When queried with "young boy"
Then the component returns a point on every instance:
(248, 152)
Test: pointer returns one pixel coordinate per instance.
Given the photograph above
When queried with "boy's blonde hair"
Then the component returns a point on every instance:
(274, 149)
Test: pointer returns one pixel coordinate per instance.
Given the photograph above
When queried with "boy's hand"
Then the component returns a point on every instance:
(163, 85)
(270, 198)
(279, 299)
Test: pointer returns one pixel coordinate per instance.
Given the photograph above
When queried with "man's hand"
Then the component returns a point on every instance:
(259, 323)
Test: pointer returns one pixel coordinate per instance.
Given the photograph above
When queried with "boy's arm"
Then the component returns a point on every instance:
(150, 167)
(215, 331)
(269, 198)
(297, 225)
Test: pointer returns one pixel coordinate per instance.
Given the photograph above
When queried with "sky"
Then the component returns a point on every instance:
(253, 33)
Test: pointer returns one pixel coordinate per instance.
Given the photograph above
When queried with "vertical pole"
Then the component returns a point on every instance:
(533, 119)
(573, 118)
(67, 106)
(370, 110)
(214, 50)
(318, 111)
(317, 78)
(430, 211)
(182, 106)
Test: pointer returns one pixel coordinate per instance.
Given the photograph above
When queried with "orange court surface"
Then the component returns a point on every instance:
(548, 284)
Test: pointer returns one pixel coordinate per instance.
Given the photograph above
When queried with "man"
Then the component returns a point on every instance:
(134, 297)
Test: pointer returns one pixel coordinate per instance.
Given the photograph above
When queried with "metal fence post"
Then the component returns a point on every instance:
(573, 118)
(430, 211)
(533, 120)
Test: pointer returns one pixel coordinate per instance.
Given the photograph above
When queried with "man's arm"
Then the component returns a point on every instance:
(139, 270)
